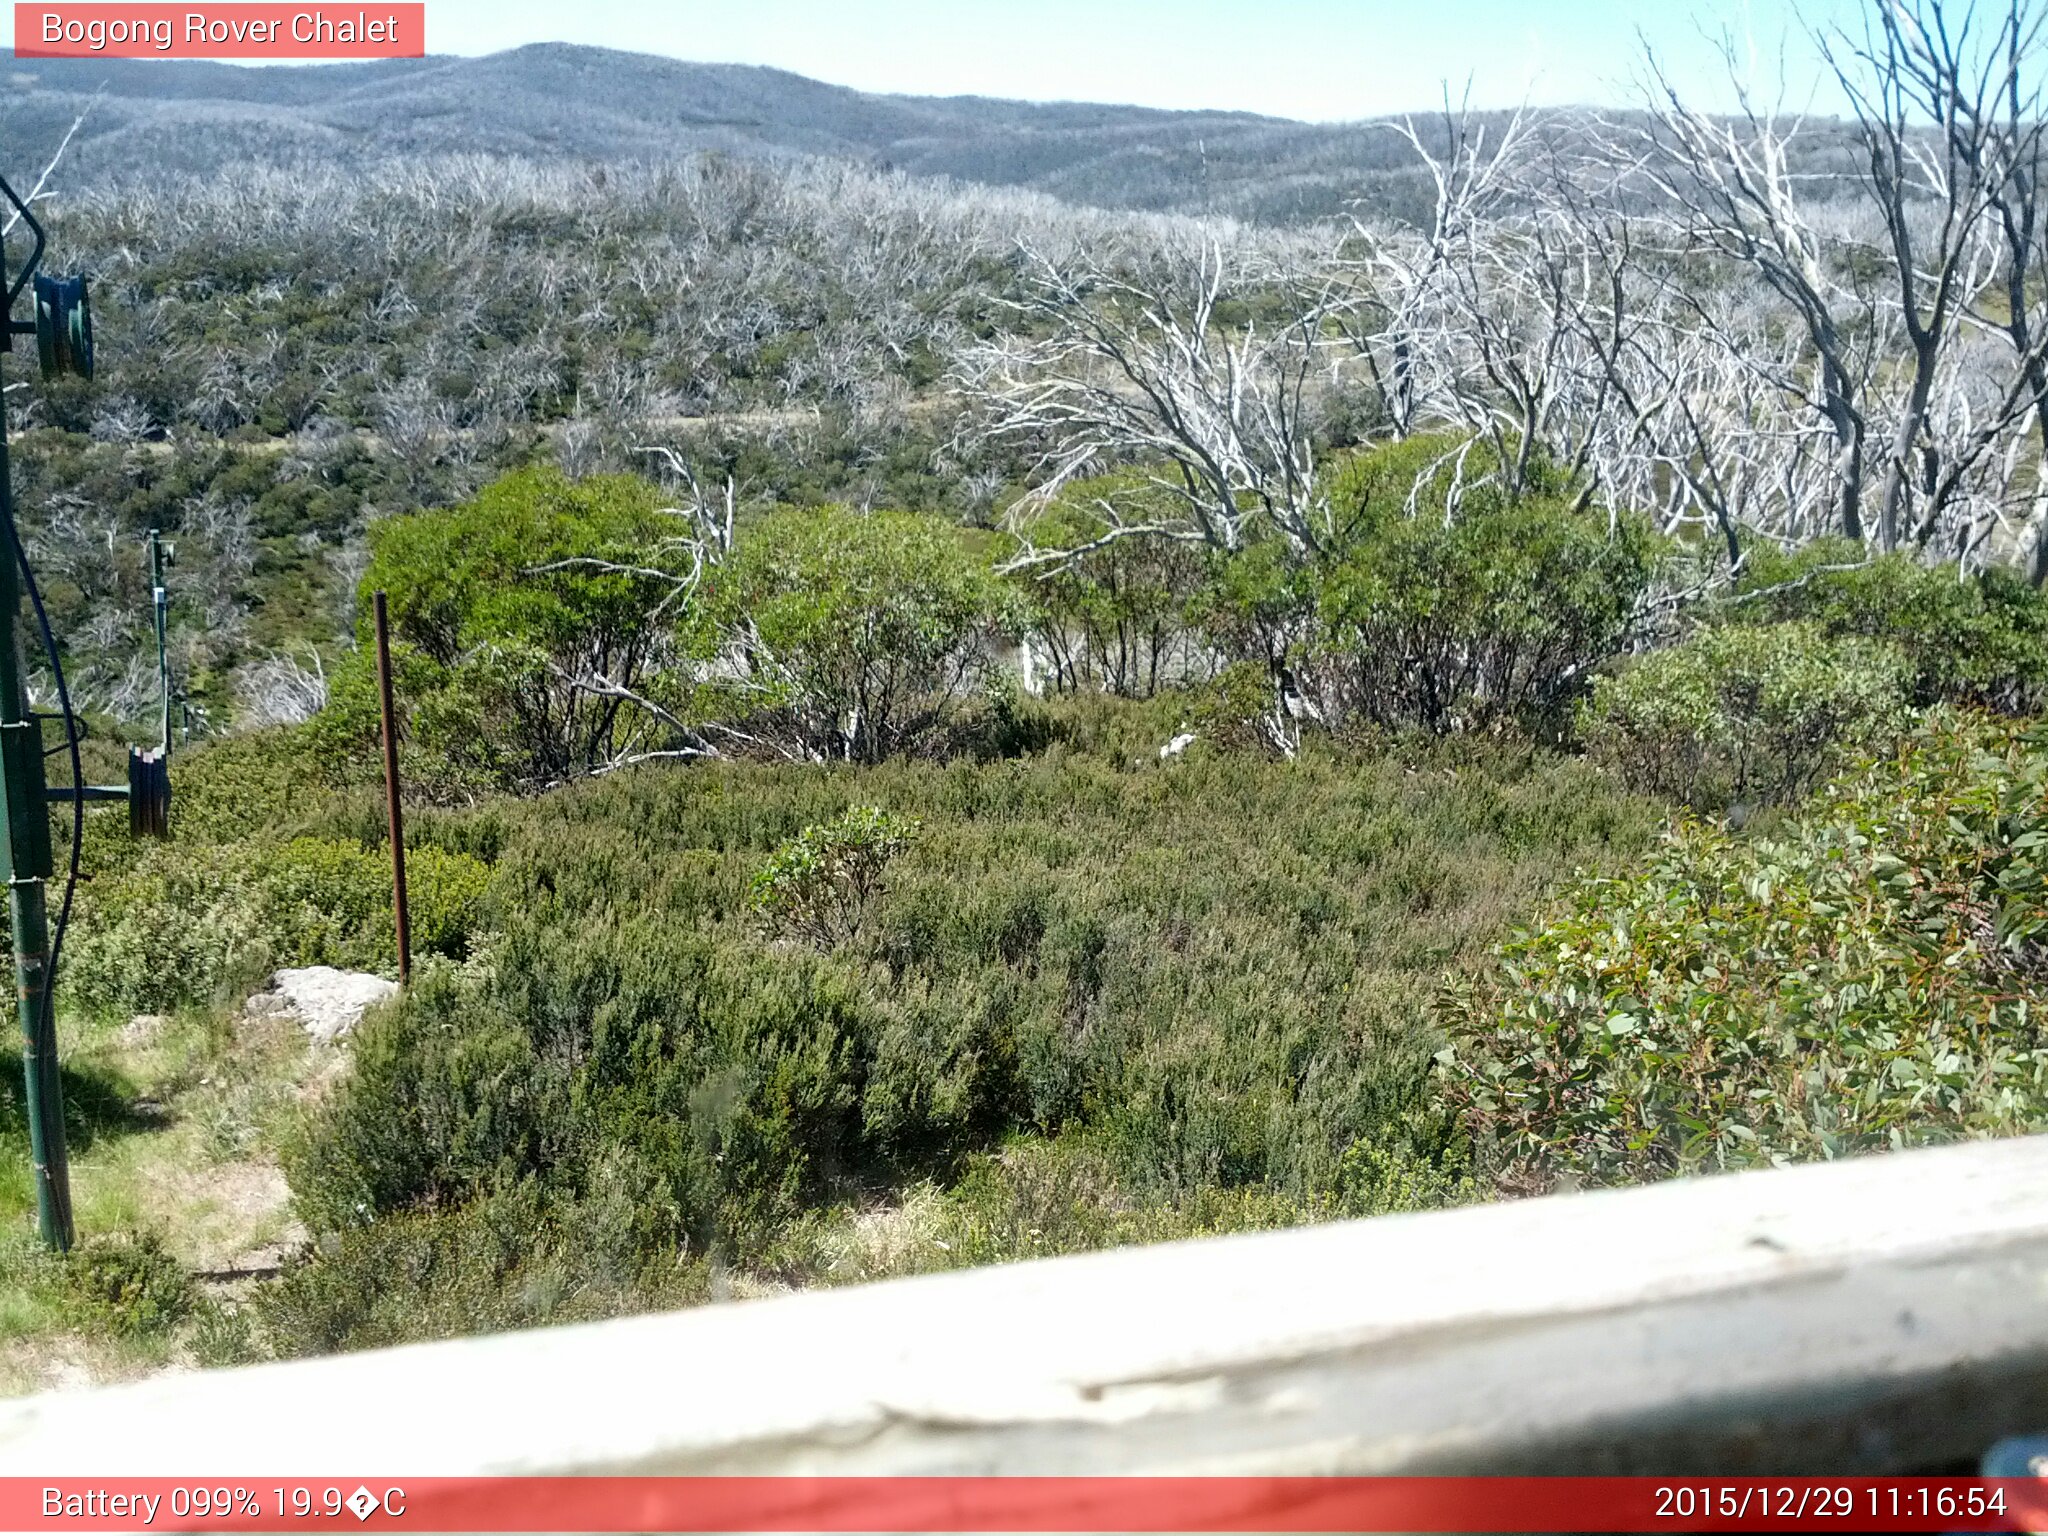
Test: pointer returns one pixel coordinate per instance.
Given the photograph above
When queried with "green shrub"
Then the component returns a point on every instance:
(268, 780)
(130, 1286)
(1419, 474)
(1743, 714)
(510, 1260)
(1495, 611)
(819, 885)
(1418, 1163)
(222, 1334)
(729, 1079)
(1118, 618)
(851, 636)
(180, 924)
(1235, 710)
(1034, 1199)
(1256, 605)
(186, 922)
(1978, 639)
(1215, 974)
(1869, 980)
(501, 610)
(1437, 599)
(331, 901)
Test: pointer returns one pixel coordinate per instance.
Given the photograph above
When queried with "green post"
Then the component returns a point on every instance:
(160, 601)
(25, 864)
(63, 331)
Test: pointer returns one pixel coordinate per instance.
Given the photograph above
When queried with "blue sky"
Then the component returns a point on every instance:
(1315, 59)
(1322, 60)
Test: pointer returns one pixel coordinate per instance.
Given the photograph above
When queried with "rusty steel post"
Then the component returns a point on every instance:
(398, 910)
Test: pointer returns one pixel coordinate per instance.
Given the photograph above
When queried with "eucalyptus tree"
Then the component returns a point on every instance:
(1202, 360)
(1728, 187)
(1890, 272)
(1925, 103)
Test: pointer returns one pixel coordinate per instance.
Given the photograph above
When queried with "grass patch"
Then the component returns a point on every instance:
(172, 1125)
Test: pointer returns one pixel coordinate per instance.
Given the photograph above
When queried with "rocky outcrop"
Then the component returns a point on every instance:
(327, 1002)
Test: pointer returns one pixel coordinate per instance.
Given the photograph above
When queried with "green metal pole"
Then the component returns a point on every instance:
(25, 865)
(160, 600)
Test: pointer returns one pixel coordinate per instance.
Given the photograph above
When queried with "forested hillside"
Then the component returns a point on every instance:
(291, 356)
(943, 724)
(598, 106)
(589, 105)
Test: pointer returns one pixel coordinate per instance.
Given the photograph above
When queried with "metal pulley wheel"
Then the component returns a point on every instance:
(149, 792)
(63, 326)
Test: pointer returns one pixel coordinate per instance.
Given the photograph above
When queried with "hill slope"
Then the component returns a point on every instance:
(555, 101)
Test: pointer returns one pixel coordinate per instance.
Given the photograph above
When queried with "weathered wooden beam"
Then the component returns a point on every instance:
(1886, 1313)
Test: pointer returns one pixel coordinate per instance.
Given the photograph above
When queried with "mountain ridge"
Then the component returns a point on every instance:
(558, 100)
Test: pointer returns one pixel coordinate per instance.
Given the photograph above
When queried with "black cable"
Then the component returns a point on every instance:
(48, 1023)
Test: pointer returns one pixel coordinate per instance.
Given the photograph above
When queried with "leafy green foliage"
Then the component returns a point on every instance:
(1234, 709)
(1119, 617)
(819, 885)
(1416, 1163)
(1977, 639)
(183, 923)
(334, 900)
(1743, 714)
(258, 784)
(1255, 604)
(506, 1261)
(130, 1285)
(222, 1334)
(846, 635)
(1494, 611)
(1213, 971)
(1867, 980)
(1438, 601)
(516, 616)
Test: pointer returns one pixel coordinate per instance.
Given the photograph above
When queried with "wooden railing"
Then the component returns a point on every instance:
(1882, 1314)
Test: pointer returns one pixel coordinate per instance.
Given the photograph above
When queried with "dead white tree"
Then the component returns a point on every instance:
(1480, 319)
(1202, 364)
(1985, 86)
(1406, 275)
(1925, 115)
(1729, 188)
(279, 690)
(1890, 271)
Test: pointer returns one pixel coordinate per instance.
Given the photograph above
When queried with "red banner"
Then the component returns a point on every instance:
(239, 31)
(1026, 1504)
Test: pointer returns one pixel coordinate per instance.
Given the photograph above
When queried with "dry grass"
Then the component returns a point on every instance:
(174, 1124)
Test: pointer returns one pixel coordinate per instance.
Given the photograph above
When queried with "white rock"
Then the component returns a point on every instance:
(328, 1002)
(1178, 745)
